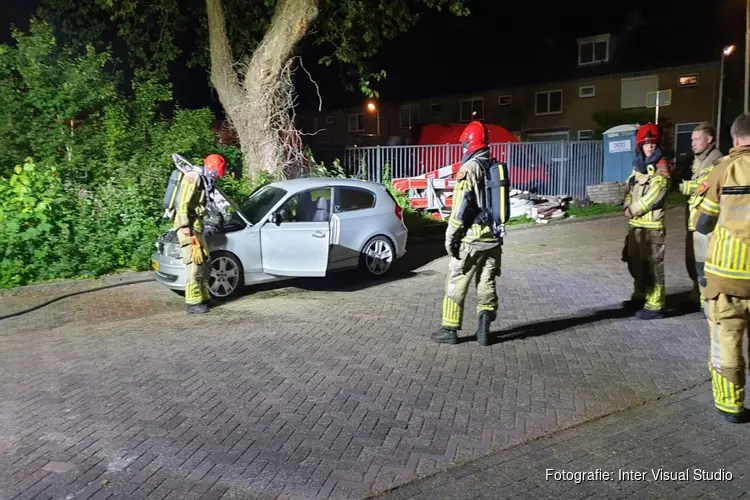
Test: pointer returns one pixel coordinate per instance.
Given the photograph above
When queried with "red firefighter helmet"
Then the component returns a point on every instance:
(214, 165)
(474, 137)
(650, 133)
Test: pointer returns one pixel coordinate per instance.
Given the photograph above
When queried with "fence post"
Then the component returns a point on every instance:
(379, 163)
(447, 155)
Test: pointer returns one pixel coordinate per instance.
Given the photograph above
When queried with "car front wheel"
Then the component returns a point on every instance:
(377, 256)
(226, 278)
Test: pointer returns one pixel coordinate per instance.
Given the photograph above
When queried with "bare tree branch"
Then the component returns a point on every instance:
(317, 89)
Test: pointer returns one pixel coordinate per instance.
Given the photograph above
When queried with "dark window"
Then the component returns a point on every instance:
(541, 103)
(354, 199)
(587, 52)
(472, 109)
(555, 102)
(600, 51)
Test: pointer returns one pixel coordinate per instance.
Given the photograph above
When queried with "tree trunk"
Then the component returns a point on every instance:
(260, 108)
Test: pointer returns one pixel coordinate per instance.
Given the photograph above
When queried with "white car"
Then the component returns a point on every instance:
(295, 228)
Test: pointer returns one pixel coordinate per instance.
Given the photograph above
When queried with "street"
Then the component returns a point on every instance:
(331, 388)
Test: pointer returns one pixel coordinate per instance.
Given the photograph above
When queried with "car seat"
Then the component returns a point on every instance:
(321, 210)
(305, 207)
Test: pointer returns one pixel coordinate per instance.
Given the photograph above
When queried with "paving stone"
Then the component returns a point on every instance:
(332, 386)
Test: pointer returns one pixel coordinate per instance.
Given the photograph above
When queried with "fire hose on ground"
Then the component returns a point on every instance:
(72, 294)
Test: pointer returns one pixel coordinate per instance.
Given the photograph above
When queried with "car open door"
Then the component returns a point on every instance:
(295, 248)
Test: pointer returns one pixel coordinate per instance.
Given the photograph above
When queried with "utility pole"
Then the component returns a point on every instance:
(724, 54)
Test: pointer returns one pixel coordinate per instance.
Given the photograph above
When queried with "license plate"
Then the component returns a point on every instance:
(155, 264)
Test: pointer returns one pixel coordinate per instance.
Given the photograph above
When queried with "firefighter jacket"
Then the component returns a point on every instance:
(702, 166)
(726, 209)
(191, 203)
(647, 193)
(468, 198)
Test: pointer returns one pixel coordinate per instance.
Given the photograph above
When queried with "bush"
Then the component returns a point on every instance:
(89, 202)
(35, 226)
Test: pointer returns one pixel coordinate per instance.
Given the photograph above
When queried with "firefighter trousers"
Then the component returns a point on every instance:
(196, 287)
(728, 319)
(696, 248)
(481, 265)
(645, 258)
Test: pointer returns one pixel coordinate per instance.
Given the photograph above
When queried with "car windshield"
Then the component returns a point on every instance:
(260, 202)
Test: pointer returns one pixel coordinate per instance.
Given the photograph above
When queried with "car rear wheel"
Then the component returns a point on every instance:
(377, 256)
(227, 277)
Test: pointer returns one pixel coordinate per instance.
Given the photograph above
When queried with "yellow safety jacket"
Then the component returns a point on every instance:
(703, 164)
(646, 195)
(727, 197)
(191, 203)
(468, 195)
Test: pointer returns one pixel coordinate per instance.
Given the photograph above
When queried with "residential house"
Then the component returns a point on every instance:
(607, 76)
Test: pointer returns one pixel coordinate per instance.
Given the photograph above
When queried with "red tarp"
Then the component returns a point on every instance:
(435, 133)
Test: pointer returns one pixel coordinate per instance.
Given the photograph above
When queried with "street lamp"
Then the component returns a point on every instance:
(374, 109)
(728, 50)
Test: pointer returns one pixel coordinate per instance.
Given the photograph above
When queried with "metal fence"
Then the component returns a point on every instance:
(546, 168)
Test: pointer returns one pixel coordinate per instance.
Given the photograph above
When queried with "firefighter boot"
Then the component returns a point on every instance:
(647, 314)
(742, 417)
(197, 309)
(483, 329)
(445, 336)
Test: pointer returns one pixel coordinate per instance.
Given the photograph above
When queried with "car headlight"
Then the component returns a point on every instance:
(173, 250)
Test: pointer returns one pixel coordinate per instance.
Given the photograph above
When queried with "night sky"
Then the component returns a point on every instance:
(502, 42)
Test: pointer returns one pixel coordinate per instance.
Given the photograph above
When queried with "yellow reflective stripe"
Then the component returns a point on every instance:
(185, 197)
(646, 224)
(730, 256)
(655, 298)
(479, 233)
(689, 186)
(728, 397)
(710, 206)
(454, 222)
(452, 313)
(653, 195)
(177, 188)
(726, 273)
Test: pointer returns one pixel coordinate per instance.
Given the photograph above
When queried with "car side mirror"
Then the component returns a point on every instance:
(275, 218)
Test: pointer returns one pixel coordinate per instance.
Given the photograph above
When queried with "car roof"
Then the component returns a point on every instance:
(320, 182)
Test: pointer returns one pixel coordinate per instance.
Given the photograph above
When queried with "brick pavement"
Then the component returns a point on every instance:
(334, 391)
(676, 434)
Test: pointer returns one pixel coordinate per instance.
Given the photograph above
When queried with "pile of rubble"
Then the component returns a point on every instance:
(540, 208)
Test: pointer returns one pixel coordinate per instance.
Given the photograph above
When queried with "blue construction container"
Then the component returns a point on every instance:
(619, 152)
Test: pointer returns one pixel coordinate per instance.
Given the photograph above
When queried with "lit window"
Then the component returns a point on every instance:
(689, 81)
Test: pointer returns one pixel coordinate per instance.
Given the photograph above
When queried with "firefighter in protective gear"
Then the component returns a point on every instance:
(644, 209)
(188, 224)
(475, 253)
(725, 214)
(696, 244)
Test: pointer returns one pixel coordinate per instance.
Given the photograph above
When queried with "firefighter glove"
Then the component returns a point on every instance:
(453, 248)
(197, 252)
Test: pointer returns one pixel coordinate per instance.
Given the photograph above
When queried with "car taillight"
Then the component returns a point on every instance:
(399, 213)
